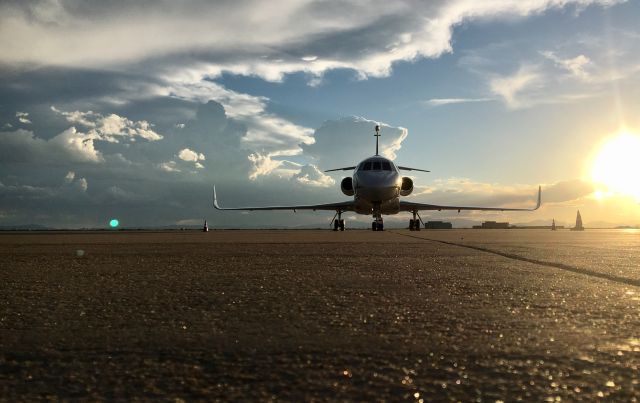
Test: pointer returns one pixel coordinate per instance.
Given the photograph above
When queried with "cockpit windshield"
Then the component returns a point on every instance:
(376, 166)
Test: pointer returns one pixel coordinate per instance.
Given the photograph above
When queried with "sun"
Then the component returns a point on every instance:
(616, 167)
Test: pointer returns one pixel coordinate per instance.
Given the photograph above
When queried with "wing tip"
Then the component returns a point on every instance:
(539, 197)
(215, 199)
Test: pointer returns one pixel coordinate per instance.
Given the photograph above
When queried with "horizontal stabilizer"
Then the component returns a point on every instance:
(412, 169)
(341, 169)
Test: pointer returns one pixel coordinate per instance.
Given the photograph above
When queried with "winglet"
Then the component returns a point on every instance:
(215, 199)
(539, 198)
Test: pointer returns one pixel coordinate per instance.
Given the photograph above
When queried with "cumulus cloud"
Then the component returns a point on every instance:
(70, 176)
(349, 140)
(262, 165)
(70, 145)
(23, 117)
(189, 155)
(311, 175)
(82, 184)
(169, 166)
(112, 127)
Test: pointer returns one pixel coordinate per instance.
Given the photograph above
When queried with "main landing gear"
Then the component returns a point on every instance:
(338, 223)
(414, 223)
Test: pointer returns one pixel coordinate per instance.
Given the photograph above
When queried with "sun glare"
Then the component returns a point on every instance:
(616, 167)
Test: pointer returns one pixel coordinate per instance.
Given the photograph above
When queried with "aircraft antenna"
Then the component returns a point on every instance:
(377, 137)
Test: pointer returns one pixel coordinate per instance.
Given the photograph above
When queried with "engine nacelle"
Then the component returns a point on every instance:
(347, 186)
(407, 186)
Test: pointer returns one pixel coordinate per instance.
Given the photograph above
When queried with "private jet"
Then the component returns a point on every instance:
(376, 186)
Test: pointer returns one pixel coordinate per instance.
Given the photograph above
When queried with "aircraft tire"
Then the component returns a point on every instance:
(410, 224)
(341, 225)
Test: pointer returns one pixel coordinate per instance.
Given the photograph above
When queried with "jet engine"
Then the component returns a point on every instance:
(407, 186)
(347, 186)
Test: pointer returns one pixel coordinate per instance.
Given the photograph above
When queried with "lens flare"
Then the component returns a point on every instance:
(616, 167)
(114, 223)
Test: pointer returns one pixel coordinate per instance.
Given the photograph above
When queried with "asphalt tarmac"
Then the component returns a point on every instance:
(317, 315)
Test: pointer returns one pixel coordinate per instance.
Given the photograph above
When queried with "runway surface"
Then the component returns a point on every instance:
(301, 315)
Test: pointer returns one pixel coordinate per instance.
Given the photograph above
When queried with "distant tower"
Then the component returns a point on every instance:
(206, 227)
(553, 225)
(578, 226)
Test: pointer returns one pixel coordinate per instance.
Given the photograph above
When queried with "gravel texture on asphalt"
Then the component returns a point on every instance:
(317, 315)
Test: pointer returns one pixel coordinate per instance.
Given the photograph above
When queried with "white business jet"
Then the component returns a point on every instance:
(376, 187)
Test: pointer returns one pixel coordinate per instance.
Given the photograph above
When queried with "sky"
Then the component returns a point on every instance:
(133, 110)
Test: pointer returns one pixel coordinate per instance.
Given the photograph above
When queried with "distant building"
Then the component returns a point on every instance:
(578, 226)
(492, 225)
(536, 227)
(438, 225)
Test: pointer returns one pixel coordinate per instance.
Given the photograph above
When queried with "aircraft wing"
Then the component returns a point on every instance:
(342, 206)
(409, 206)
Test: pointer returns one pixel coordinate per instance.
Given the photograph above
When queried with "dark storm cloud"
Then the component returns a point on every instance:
(149, 181)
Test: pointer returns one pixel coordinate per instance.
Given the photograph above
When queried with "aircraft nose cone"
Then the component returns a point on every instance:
(378, 185)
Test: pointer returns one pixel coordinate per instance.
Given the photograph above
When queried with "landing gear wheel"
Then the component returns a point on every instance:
(417, 225)
(336, 225)
(380, 227)
(341, 225)
(374, 226)
(411, 223)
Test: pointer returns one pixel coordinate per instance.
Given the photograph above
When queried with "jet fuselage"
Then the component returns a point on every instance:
(376, 186)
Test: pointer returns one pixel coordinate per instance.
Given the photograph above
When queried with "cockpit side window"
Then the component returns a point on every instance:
(366, 166)
(386, 166)
(376, 165)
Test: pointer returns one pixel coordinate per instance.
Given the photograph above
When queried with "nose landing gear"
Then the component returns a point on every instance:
(377, 224)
